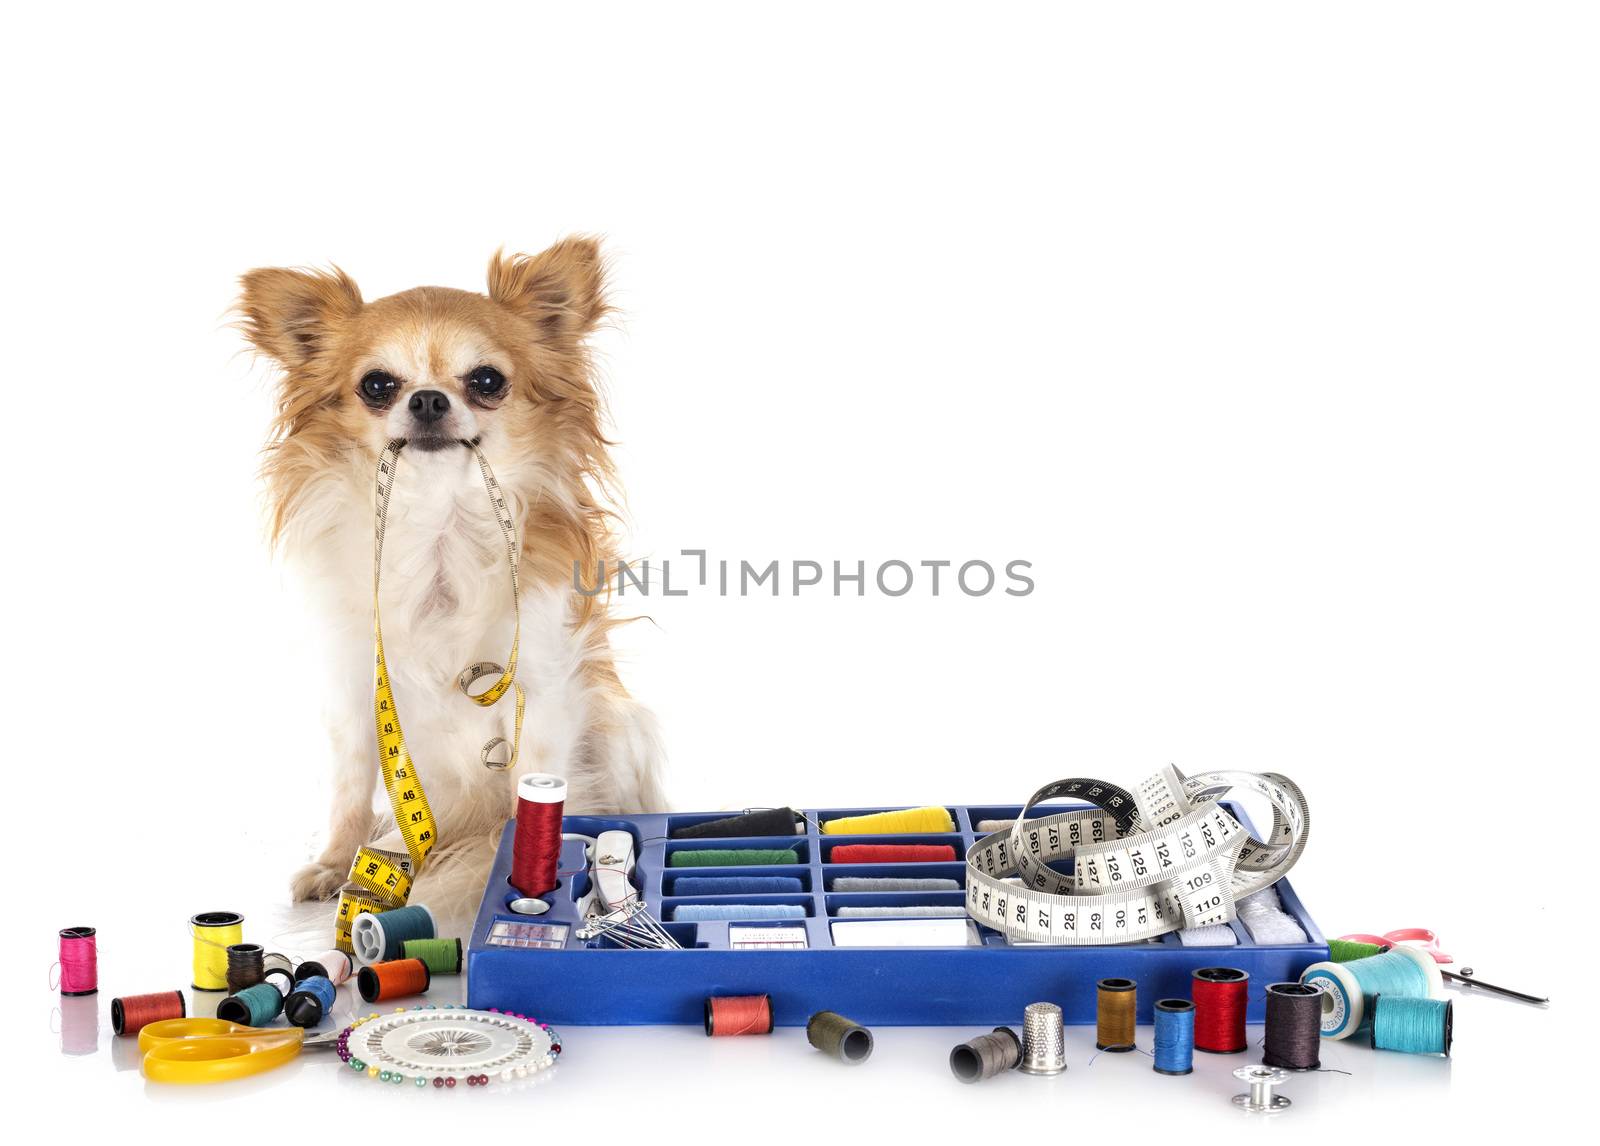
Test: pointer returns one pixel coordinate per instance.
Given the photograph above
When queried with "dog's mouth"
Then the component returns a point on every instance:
(432, 443)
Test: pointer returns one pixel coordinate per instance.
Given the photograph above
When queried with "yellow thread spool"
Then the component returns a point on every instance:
(892, 823)
(214, 932)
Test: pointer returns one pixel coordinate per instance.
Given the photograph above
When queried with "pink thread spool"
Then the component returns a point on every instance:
(79, 960)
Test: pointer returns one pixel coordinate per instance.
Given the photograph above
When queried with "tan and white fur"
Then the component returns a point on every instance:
(510, 370)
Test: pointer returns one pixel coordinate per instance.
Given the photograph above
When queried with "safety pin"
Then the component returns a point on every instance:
(1466, 978)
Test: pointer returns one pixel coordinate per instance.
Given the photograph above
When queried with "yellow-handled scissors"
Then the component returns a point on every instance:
(215, 1050)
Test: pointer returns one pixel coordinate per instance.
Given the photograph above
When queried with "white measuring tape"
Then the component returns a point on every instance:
(1144, 864)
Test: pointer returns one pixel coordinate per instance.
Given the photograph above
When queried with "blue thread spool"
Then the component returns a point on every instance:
(1413, 1026)
(705, 911)
(380, 938)
(736, 885)
(1174, 1036)
(252, 1007)
(1348, 988)
(310, 1001)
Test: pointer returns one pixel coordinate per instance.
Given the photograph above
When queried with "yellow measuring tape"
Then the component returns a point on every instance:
(381, 880)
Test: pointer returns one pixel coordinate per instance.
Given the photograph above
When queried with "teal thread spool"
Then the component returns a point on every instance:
(380, 938)
(1348, 988)
(1413, 1026)
(252, 1007)
(443, 956)
(733, 857)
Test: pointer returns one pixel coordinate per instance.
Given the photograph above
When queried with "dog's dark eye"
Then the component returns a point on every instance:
(486, 382)
(377, 387)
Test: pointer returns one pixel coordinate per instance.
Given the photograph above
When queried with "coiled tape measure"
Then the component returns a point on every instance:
(381, 880)
(1144, 863)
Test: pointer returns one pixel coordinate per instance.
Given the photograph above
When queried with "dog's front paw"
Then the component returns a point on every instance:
(316, 881)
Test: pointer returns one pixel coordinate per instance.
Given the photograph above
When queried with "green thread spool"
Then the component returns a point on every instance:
(443, 956)
(1413, 1026)
(733, 857)
(1348, 951)
(252, 1007)
(844, 1039)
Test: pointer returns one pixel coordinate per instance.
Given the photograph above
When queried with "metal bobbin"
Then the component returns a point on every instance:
(1262, 1079)
(1044, 1049)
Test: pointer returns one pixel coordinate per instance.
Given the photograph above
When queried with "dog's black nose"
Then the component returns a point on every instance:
(428, 406)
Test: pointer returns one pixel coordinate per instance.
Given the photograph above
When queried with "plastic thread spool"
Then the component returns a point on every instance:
(1174, 1036)
(844, 1039)
(733, 857)
(309, 1001)
(1348, 950)
(1044, 1049)
(131, 1013)
(892, 823)
(536, 845)
(1294, 1018)
(246, 966)
(1115, 1003)
(394, 979)
(1413, 1026)
(333, 966)
(986, 1056)
(1219, 1007)
(214, 932)
(1348, 988)
(252, 1007)
(738, 1015)
(380, 938)
(79, 959)
(767, 822)
(892, 853)
(443, 956)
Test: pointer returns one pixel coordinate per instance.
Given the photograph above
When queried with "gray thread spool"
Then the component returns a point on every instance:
(844, 1039)
(1044, 1049)
(987, 1055)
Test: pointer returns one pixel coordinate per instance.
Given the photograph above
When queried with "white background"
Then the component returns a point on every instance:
(1266, 332)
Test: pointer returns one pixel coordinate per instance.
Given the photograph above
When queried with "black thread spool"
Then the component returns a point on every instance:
(844, 1039)
(1294, 1026)
(246, 966)
(986, 1056)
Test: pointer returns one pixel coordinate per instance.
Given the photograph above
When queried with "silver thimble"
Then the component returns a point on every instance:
(1044, 1048)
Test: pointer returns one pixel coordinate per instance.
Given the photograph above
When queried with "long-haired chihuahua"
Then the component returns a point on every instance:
(444, 369)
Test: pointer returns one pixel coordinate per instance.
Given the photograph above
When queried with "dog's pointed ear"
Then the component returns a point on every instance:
(288, 314)
(561, 291)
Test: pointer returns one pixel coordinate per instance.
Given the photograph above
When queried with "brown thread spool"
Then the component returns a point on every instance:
(986, 1056)
(1116, 1000)
(379, 982)
(132, 1013)
(844, 1039)
(246, 966)
(1294, 1027)
(738, 1015)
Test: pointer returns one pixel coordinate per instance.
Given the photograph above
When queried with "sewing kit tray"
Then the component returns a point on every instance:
(538, 966)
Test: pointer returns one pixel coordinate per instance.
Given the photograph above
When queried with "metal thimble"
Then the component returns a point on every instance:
(1044, 1049)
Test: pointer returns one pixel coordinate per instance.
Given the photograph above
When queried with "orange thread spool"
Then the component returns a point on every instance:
(379, 982)
(738, 1015)
(132, 1013)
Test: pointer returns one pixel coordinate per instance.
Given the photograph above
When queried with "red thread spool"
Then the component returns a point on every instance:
(379, 982)
(892, 853)
(80, 961)
(738, 1015)
(1220, 999)
(536, 849)
(132, 1013)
